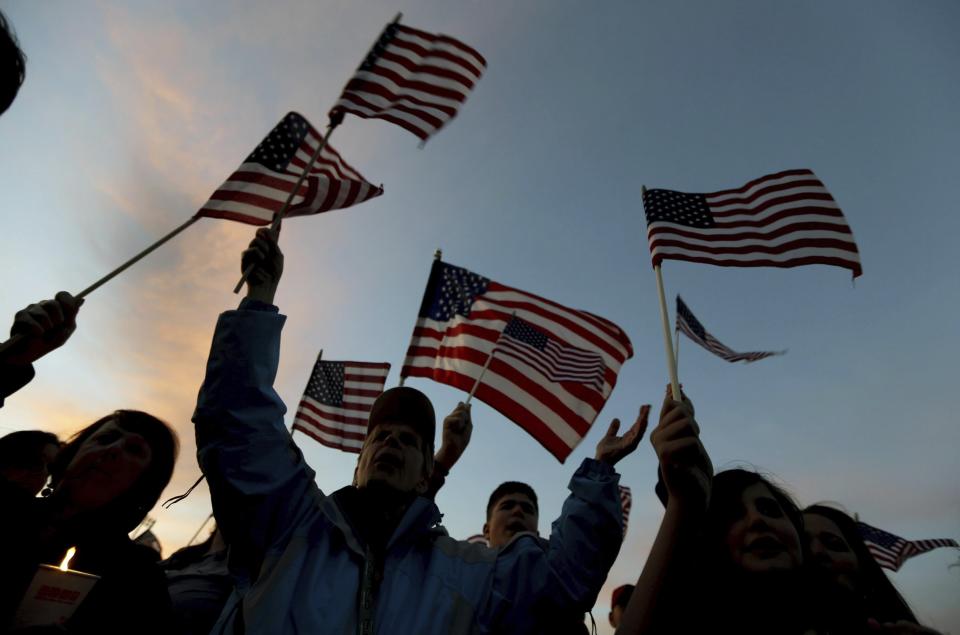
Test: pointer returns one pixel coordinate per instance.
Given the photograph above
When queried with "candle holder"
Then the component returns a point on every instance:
(53, 596)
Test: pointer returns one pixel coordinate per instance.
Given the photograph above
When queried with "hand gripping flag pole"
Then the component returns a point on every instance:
(667, 339)
(336, 118)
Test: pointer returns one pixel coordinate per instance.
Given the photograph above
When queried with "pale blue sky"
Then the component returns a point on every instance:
(131, 115)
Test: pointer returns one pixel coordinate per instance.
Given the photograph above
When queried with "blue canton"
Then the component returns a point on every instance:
(280, 146)
(453, 292)
(378, 49)
(879, 537)
(684, 313)
(326, 383)
(526, 333)
(677, 207)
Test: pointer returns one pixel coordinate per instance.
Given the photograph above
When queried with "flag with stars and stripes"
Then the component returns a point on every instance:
(460, 321)
(892, 551)
(414, 79)
(787, 219)
(257, 190)
(557, 362)
(690, 326)
(337, 402)
(626, 502)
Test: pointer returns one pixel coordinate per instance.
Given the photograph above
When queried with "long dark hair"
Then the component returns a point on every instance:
(881, 599)
(126, 512)
(779, 599)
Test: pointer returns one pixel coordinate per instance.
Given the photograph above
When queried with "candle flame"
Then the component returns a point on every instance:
(67, 558)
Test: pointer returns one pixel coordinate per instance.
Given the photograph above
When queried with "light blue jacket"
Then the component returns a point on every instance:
(298, 564)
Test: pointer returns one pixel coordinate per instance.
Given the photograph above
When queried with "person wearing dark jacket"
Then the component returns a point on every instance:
(103, 483)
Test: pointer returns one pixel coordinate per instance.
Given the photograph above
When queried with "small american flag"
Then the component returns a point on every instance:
(626, 501)
(260, 186)
(528, 344)
(690, 326)
(412, 78)
(787, 219)
(891, 551)
(337, 402)
(461, 318)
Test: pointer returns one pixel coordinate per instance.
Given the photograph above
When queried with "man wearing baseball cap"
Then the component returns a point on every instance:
(372, 556)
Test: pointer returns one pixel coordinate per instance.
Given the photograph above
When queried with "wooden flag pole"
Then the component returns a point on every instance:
(437, 255)
(667, 340)
(110, 276)
(278, 217)
(113, 274)
(676, 349)
(486, 364)
(335, 120)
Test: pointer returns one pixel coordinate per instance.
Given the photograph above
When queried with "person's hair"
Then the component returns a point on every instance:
(621, 595)
(130, 507)
(882, 600)
(722, 585)
(23, 448)
(725, 501)
(511, 487)
(13, 65)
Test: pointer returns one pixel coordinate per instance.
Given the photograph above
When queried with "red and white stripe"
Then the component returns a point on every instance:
(556, 414)
(626, 502)
(344, 427)
(255, 193)
(786, 219)
(418, 82)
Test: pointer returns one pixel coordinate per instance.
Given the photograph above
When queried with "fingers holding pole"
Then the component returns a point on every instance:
(278, 217)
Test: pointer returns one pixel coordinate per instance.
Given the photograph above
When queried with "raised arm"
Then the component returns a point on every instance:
(457, 429)
(687, 473)
(259, 482)
(544, 582)
(37, 330)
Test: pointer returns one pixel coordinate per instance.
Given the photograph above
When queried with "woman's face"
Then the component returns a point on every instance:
(761, 537)
(829, 551)
(105, 466)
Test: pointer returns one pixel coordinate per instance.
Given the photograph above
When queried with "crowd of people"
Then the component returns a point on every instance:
(734, 552)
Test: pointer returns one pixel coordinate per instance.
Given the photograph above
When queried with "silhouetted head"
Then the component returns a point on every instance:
(753, 526)
(618, 603)
(512, 509)
(116, 468)
(25, 457)
(397, 452)
(13, 65)
(841, 562)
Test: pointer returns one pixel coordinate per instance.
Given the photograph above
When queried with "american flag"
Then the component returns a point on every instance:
(690, 326)
(260, 186)
(412, 78)
(626, 501)
(787, 219)
(460, 321)
(528, 344)
(337, 402)
(891, 551)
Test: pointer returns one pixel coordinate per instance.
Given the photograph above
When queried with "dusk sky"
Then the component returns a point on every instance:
(131, 115)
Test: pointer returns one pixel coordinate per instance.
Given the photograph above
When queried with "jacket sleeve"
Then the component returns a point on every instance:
(260, 486)
(535, 580)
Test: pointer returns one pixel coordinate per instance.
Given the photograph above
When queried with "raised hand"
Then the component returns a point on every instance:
(265, 257)
(684, 462)
(612, 448)
(457, 429)
(39, 329)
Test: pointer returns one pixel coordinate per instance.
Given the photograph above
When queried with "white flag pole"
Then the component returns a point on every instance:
(667, 340)
(676, 348)
(486, 364)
